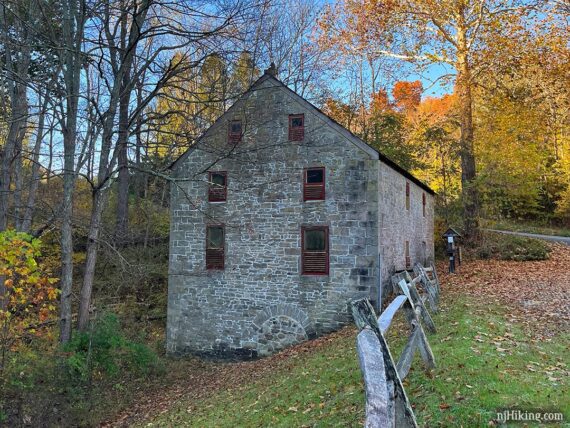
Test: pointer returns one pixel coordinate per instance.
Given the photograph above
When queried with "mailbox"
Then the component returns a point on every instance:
(452, 238)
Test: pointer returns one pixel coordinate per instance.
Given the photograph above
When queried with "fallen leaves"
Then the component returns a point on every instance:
(535, 293)
(199, 379)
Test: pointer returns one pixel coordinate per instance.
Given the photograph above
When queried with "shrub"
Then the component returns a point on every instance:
(105, 350)
(510, 247)
(27, 295)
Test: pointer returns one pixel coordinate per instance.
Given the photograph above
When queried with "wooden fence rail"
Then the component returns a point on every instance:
(387, 404)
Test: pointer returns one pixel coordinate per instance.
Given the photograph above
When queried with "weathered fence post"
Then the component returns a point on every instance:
(412, 315)
(364, 316)
(431, 288)
(378, 405)
(419, 304)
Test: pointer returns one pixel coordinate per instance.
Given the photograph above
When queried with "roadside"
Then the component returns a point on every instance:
(538, 229)
(553, 238)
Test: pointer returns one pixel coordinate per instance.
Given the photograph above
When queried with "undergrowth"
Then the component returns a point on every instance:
(509, 247)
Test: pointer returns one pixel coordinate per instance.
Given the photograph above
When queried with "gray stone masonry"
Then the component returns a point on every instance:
(260, 302)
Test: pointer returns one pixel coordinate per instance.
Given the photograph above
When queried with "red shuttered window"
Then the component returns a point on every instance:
(314, 184)
(234, 132)
(296, 127)
(315, 250)
(215, 243)
(217, 186)
(407, 196)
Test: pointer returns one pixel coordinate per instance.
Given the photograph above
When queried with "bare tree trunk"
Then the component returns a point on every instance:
(122, 225)
(67, 235)
(99, 198)
(71, 57)
(35, 175)
(18, 182)
(10, 153)
(470, 194)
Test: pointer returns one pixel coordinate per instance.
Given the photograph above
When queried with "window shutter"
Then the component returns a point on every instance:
(234, 132)
(296, 127)
(314, 184)
(215, 258)
(217, 186)
(315, 252)
(215, 244)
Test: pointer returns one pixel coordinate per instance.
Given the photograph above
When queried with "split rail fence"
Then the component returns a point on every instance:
(387, 404)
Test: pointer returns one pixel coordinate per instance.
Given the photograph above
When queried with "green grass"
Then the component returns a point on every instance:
(502, 246)
(484, 364)
(531, 228)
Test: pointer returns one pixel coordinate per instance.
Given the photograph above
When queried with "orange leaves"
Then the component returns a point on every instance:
(437, 109)
(379, 102)
(407, 95)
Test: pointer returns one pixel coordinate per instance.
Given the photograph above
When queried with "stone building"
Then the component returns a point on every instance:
(279, 217)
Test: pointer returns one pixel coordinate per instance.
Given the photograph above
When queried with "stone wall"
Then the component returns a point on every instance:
(398, 225)
(260, 302)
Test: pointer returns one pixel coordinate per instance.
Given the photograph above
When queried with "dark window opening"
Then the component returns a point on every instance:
(407, 255)
(314, 184)
(315, 250)
(218, 186)
(215, 240)
(424, 204)
(234, 131)
(296, 127)
(407, 196)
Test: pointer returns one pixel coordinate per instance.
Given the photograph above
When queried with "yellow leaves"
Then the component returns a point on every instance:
(29, 289)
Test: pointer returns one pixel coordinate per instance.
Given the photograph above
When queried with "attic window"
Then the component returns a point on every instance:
(234, 132)
(218, 186)
(407, 196)
(314, 184)
(296, 127)
(315, 250)
(424, 204)
(215, 240)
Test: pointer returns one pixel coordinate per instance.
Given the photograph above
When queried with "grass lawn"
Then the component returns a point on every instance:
(486, 362)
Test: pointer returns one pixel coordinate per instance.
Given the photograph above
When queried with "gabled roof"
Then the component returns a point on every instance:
(361, 144)
(451, 232)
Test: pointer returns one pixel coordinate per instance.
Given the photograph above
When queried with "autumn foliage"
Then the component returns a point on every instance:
(29, 294)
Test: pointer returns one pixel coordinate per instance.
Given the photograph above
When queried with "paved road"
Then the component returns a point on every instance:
(561, 239)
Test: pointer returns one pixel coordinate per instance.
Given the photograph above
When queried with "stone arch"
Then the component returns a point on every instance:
(277, 327)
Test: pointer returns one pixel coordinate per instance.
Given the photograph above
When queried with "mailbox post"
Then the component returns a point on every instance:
(453, 250)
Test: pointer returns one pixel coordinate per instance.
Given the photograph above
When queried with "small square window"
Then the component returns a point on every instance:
(235, 132)
(314, 184)
(315, 250)
(296, 127)
(215, 243)
(217, 186)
